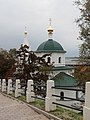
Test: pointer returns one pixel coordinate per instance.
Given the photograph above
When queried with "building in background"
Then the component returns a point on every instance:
(57, 54)
(56, 57)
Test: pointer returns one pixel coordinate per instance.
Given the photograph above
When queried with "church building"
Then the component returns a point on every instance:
(61, 73)
(57, 58)
(57, 54)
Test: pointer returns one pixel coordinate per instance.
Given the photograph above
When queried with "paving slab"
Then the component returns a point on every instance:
(11, 109)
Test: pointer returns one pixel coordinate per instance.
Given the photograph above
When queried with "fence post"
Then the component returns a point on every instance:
(29, 92)
(86, 109)
(18, 88)
(3, 85)
(0, 84)
(9, 88)
(49, 98)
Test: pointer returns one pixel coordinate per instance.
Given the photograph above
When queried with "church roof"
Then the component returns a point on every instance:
(50, 46)
(62, 68)
(63, 79)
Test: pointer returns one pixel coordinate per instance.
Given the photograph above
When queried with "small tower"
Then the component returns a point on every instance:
(25, 42)
(50, 30)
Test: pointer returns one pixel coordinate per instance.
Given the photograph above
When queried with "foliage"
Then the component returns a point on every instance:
(84, 34)
(83, 71)
(13, 52)
(6, 65)
(30, 66)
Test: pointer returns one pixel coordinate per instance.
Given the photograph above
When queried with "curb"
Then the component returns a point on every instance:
(48, 115)
(39, 111)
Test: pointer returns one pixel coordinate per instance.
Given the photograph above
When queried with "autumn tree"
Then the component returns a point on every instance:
(6, 64)
(84, 34)
(83, 71)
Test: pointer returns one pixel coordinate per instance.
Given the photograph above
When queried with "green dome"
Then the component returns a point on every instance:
(50, 46)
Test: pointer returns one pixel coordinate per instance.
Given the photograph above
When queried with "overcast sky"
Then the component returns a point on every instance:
(35, 14)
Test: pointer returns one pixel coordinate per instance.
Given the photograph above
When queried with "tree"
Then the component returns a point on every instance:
(13, 52)
(83, 71)
(30, 66)
(84, 34)
(6, 65)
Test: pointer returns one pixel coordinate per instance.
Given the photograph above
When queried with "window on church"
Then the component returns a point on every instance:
(49, 60)
(59, 60)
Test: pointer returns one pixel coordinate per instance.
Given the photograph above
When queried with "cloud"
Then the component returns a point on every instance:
(15, 15)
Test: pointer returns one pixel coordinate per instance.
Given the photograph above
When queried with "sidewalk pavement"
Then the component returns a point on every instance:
(11, 109)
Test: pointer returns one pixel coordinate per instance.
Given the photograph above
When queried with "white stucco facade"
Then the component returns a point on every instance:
(54, 58)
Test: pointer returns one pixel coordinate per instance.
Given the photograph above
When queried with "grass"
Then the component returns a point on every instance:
(60, 112)
(64, 114)
(22, 98)
(39, 104)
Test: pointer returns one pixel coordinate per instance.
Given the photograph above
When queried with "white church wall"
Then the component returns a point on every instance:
(39, 54)
(67, 93)
(55, 59)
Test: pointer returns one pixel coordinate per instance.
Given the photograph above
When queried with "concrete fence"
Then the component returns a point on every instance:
(18, 88)
(3, 85)
(30, 92)
(86, 109)
(0, 85)
(49, 98)
(49, 106)
(9, 87)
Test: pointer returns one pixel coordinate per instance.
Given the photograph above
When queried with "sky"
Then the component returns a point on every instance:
(35, 14)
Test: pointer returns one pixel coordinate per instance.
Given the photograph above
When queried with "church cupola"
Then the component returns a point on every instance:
(25, 42)
(50, 30)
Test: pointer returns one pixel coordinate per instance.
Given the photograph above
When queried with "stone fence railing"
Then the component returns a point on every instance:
(49, 99)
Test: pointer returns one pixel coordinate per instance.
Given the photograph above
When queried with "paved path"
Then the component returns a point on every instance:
(15, 110)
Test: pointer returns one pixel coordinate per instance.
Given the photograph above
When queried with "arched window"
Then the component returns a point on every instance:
(49, 60)
(59, 60)
(61, 95)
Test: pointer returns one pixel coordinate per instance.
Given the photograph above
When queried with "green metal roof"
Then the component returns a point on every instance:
(63, 79)
(50, 46)
(62, 68)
